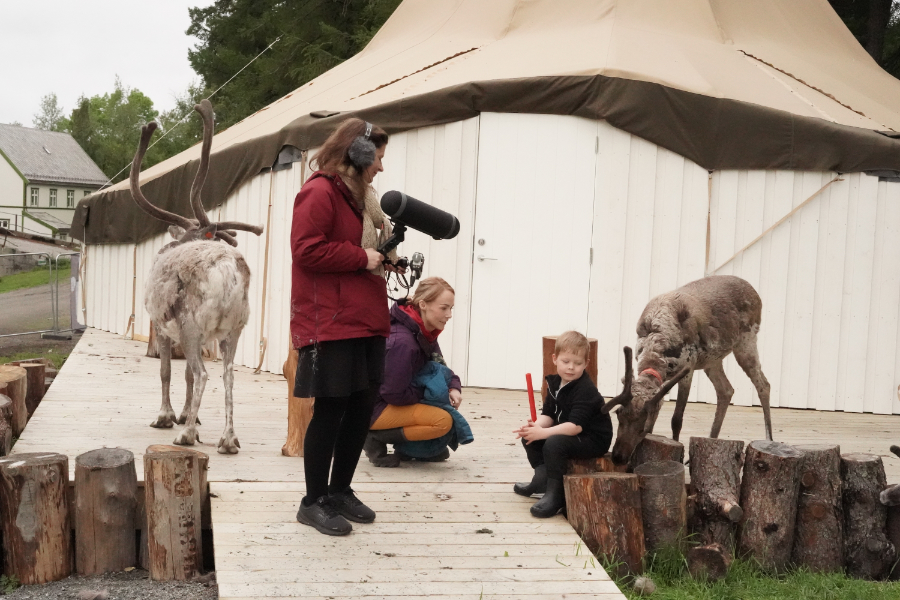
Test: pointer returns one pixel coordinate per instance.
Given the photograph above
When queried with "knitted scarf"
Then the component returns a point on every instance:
(376, 226)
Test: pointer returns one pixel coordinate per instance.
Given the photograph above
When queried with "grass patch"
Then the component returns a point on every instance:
(746, 581)
(57, 358)
(33, 278)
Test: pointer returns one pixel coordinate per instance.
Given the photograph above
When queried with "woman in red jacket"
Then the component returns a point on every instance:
(339, 317)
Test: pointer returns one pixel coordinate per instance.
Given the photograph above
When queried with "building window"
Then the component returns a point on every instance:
(34, 197)
(70, 198)
(52, 198)
(86, 193)
(4, 223)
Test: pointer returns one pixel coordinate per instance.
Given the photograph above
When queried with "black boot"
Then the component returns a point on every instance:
(554, 500)
(538, 484)
(376, 446)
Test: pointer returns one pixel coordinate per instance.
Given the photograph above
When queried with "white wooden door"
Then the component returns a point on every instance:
(533, 223)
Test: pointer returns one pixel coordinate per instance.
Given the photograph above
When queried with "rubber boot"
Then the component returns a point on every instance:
(538, 484)
(554, 500)
(376, 446)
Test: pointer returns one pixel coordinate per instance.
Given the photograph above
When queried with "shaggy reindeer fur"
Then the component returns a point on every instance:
(693, 327)
(196, 292)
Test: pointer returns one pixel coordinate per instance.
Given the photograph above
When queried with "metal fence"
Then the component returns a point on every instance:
(53, 287)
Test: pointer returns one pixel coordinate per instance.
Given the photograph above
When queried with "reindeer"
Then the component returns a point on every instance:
(196, 292)
(693, 327)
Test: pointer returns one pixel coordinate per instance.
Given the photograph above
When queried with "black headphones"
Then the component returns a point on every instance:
(362, 150)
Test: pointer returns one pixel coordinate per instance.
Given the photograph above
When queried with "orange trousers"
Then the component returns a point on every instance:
(419, 421)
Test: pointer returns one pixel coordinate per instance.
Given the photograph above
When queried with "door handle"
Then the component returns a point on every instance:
(482, 257)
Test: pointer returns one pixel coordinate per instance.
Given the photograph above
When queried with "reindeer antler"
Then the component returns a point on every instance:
(154, 211)
(670, 384)
(625, 397)
(206, 113)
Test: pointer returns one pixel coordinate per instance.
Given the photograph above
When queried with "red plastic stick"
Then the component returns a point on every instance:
(531, 397)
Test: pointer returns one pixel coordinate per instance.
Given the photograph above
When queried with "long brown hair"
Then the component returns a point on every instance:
(334, 153)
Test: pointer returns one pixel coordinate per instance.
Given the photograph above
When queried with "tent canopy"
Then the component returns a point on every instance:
(725, 83)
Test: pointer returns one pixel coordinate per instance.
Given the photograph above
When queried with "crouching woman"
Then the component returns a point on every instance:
(401, 414)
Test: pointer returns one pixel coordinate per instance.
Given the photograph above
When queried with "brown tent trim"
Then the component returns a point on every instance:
(715, 133)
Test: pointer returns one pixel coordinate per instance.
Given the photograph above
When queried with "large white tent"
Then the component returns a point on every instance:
(597, 153)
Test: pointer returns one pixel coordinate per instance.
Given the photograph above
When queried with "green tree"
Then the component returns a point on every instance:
(876, 24)
(51, 116)
(315, 35)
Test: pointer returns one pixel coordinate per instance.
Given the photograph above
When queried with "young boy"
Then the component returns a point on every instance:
(570, 426)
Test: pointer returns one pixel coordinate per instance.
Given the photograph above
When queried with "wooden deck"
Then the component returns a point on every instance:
(425, 542)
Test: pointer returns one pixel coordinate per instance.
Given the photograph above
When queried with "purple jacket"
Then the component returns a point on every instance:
(406, 353)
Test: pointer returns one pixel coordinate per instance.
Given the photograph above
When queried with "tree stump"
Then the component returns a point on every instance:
(548, 346)
(893, 534)
(605, 510)
(604, 464)
(868, 554)
(300, 410)
(716, 482)
(657, 448)
(173, 487)
(769, 493)
(663, 500)
(5, 424)
(709, 562)
(16, 380)
(819, 538)
(105, 503)
(37, 536)
(36, 387)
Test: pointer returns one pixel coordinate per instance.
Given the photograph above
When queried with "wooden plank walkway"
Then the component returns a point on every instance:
(424, 543)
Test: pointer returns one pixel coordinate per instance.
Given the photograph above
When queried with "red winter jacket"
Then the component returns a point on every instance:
(333, 297)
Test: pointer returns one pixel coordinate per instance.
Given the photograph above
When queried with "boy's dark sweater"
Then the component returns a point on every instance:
(578, 402)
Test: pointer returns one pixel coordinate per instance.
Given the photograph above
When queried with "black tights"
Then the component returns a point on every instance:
(337, 430)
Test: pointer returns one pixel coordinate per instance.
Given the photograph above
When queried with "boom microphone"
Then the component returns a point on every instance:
(423, 217)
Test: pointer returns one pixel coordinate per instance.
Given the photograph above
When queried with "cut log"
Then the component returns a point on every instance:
(548, 346)
(16, 380)
(37, 536)
(868, 554)
(710, 562)
(893, 535)
(819, 538)
(105, 504)
(657, 448)
(605, 510)
(604, 464)
(36, 385)
(173, 487)
(663, 503)
(769, 493)
(5, 424)
(300, 410)
(716, 483)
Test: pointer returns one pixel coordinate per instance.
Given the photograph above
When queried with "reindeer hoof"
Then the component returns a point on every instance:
(183, 419)
(187, 437)
(228, 447)
(164, 421)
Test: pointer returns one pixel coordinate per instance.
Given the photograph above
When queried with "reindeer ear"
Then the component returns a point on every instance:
(176, 232)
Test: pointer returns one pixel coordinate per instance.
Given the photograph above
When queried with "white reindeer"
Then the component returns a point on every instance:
(196, 292)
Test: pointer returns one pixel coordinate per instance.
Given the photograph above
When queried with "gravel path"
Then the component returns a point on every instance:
(133, 585)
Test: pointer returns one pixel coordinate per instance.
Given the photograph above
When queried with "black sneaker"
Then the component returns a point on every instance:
(350, 506)
(321, 515)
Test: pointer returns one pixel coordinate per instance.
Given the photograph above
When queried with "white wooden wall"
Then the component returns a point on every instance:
(829, 278)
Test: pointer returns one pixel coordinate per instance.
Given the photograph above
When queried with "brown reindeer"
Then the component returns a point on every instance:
(196, 292)
(693, 327)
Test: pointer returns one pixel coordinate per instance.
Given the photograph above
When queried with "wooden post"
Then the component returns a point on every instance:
(105, 503)
(819, 539)
(5, 423)
(769, 493)
(36, 372)
(605, 510)
(657, 448)
(300, 410)
(663, 500)
(37, 536)
(548, 345)
(16, 380)
(604, 464)
(173, 481)
(868, 554)
(716, 482)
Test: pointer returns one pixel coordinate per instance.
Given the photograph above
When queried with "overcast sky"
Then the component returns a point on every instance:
(75, 47)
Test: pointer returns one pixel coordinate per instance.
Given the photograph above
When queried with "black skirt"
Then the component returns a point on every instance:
(340, 367)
